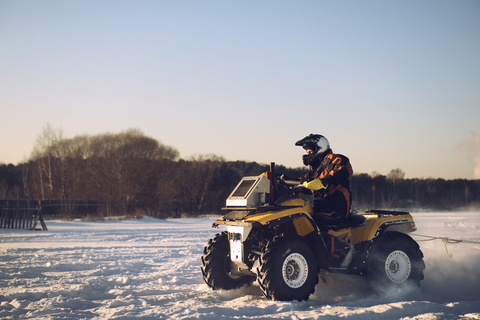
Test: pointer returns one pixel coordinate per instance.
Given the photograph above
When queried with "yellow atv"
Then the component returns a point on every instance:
(273, 239)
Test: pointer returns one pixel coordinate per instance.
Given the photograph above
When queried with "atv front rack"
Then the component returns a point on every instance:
(238, 213)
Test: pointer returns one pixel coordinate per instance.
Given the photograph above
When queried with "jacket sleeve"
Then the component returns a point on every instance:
(338, 172)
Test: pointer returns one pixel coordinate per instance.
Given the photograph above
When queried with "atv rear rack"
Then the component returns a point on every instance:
(386, 212)
(260, 208)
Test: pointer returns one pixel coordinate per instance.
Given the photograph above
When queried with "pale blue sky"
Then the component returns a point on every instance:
(391, 84)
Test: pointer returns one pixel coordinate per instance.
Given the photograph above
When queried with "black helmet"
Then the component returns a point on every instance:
(318, 144)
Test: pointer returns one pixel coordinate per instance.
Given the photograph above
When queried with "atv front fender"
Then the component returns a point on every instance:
(304, 226)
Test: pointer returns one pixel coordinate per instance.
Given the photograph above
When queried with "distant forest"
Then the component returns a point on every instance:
(131, 174)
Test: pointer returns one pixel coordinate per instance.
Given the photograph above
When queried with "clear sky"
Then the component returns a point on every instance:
(391, 84)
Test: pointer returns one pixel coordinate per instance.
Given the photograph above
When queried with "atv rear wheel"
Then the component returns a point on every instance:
(289, 270)
(394, 261)
(217, 267)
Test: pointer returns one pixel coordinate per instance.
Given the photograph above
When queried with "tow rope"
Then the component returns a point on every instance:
(445, 240)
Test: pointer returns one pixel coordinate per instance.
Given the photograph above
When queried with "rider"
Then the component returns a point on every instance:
(329, 180)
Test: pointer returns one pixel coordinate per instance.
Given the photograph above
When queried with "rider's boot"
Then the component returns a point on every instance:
(341, 252)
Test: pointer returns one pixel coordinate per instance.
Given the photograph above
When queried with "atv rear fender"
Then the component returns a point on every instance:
(377, 223)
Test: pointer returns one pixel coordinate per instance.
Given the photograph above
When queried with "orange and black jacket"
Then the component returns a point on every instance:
(334, 171)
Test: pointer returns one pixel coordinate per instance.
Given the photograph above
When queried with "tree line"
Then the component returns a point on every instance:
(132, 174)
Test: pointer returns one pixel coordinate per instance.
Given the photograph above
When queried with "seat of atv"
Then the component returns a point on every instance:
(353, 220)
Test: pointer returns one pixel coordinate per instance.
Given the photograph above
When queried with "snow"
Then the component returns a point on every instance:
(150, 269)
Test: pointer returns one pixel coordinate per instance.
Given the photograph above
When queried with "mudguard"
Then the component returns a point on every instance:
(296, 211)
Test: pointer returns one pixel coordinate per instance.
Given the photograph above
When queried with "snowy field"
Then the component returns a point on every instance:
(150, 269)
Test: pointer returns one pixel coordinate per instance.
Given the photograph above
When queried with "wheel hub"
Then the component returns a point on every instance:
(292, 270)
(394, 266)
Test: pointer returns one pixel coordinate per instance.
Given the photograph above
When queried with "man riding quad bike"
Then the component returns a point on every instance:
(272, 236)
(329, 181)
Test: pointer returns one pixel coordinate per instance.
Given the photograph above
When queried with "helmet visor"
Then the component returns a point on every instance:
(310, 146)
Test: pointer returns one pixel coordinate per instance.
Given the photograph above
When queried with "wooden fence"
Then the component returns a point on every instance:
(21, 218)
(73, 209)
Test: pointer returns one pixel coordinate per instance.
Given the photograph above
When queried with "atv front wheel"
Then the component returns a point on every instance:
(289, 270)
(394, 260)
(217, 266)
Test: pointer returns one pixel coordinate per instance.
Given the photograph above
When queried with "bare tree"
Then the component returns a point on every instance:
(63, 152)
(25, 168)
(197, 179)
(395, 176)
(123, 166)
(43, 153)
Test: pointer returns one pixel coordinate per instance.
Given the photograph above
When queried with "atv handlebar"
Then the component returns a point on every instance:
(276, 178)
(291, 182)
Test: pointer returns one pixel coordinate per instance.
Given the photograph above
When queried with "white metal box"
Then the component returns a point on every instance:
(250, 192)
